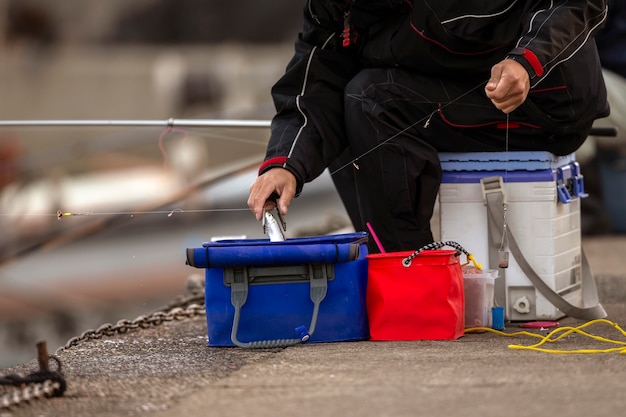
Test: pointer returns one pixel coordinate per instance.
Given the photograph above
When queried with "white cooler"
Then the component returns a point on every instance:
(543, 214)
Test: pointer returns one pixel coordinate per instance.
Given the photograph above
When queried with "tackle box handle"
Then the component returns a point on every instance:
(318, 280)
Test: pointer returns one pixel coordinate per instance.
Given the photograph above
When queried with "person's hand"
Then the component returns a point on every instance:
(277, 180)
(508, 86)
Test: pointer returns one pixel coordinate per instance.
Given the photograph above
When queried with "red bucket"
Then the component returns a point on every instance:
(423, 300)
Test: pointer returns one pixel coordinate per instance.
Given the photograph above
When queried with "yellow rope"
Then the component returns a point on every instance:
(560, 333)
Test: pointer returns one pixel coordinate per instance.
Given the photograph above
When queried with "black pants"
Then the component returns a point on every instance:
(397, 122)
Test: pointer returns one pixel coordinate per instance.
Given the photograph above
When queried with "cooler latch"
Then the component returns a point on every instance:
(569, 181)
(579, 181)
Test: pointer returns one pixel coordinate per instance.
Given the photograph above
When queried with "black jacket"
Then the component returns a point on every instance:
(450, 39)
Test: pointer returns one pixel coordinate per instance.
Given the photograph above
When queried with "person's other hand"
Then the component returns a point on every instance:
(276, 180)
(508, 86)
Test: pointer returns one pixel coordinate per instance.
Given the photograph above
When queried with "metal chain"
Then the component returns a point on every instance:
(45, 382)
(40, 384)
(173, 311)
(29, 392)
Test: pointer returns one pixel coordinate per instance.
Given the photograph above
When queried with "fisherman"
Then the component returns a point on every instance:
(376, 88)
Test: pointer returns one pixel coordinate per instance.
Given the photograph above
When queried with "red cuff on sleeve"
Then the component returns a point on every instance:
(279, 160)
(533, 61)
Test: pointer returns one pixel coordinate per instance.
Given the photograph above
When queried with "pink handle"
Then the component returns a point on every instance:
(380, 246)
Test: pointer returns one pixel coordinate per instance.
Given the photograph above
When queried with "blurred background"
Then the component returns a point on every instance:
(142, 195)
(137, 60)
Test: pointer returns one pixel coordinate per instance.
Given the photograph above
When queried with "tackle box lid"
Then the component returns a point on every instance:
(336, 248)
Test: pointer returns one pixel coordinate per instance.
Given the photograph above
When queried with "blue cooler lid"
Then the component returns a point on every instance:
(470, 177)
(503, 161)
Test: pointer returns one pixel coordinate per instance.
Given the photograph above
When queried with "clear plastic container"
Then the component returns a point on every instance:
(479, 296)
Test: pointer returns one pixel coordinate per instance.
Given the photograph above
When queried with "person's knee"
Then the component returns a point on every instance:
(363, 80)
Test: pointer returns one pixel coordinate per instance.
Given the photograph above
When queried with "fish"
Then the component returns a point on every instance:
(271, 228)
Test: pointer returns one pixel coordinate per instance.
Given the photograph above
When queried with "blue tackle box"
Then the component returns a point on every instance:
(268, 294)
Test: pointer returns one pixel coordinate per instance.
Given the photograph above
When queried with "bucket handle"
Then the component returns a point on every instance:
(406, 262)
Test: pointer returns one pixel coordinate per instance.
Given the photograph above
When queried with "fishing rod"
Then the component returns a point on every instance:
(171, 123)
(168, 123)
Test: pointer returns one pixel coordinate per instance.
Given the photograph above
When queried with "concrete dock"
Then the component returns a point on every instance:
(167, 370)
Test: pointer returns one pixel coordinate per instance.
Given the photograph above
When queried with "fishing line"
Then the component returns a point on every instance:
(503, 250)
(229, 138)
(161, 138)
(169, 128)
(425, 119)
(54, 239)
(61, 214)
(169, 213)
(187, 132)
